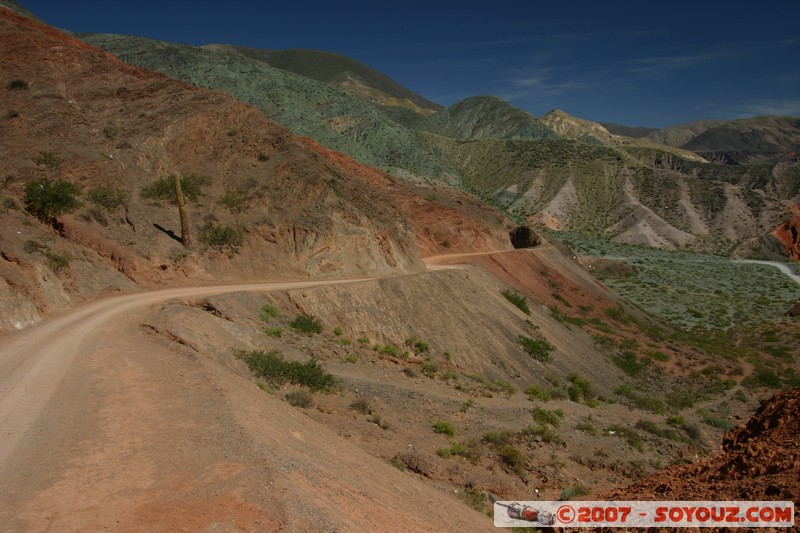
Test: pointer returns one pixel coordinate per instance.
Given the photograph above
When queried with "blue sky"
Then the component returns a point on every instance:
(636, 63)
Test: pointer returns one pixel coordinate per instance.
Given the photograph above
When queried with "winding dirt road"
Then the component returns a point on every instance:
(104, 426)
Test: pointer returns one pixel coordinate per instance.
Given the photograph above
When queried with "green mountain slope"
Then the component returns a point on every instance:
(490, 117)
(339, 71)
(629, 189)
(336, 118)
(748, 140)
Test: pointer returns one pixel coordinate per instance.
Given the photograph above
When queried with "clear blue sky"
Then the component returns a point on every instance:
(640, 63)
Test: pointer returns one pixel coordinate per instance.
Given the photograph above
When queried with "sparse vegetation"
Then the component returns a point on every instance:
(57, 261)
(536, 392)
(547, 417)
(300, 398)
(573, 491)
(539, 349)
(268, 312)
(362, 406)
(517, 299)
(164, 188)
(444, 428)
(306, 324)
(580, 389)
(47, 199)
(235, 201)
(107, 197)
(274, 332)
(417, 345)
(273, 368)
(222, 237)
(511, 457)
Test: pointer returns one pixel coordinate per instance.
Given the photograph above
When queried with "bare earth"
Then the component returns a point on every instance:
(105, 427)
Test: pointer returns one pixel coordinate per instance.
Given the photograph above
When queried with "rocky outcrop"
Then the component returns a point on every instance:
(789, 235)
(759, 461)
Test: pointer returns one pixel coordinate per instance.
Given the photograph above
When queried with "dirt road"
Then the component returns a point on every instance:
(106, 427)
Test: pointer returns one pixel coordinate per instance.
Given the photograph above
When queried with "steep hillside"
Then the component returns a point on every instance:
(634, 132)
(261, 201)
(15, 6)
(490, 117)
(543, 178)
(667, 202)
(337, 118)
(339, 71)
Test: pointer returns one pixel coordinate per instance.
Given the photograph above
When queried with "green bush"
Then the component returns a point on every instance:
(274, 332)
(535, 392)
(47, 199)
(570, 492)
(107, 197)
(544, 416)
(580, 388)
(517, 300)
(511, 457)
(430, 367)
(363, 340)
(235, 201)
(629, 363)
(268, 311)
(586, 427)
(164, 188)
(498, 438)
(417, 345)
(300, 398)
(48, 159)
(272, 367)
(220, 237)
(306, 324)
(444, 428)
(57, 261)
(539, 349)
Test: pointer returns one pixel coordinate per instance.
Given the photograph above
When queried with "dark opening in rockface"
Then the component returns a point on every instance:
(524, 237)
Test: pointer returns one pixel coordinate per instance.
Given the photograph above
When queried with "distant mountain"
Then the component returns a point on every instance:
(339, 71)
(748, 140)
(682, 134)
(634, 132)
(632, 190)
(482, 117)
(571, 127)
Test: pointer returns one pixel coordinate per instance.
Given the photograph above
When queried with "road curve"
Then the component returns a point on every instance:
(780, 266)
(34, 361)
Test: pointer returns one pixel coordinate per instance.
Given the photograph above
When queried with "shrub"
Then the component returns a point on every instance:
(268, 311)
(444, 428)
(587, 427)
(517, 300)
(235, 201)
(543, 416)
(274, 332)
(110, 131)
(300, 398)
(628, 363)
(363, 340)
(580, 388)
(48, 159)
(539, 349)
(220, 237)
(107, 197)
(16, 85)
(511, 457)
(570, 492)
(306, 324)
(417, 345)
(337, 331)
(164, 188)
(380, 422)
(57, 261)
(466, 406)
(389, 349)
(498, 438)
(350, 359)
(47, 199)
(272, 367)
(535, 392)
(633, 438)
(544, 433)
(430, 367)
(362, 406)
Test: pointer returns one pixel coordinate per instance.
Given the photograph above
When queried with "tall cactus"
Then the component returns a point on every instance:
(185, 237)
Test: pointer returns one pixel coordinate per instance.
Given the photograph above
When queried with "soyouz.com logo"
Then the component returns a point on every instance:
(644, 514)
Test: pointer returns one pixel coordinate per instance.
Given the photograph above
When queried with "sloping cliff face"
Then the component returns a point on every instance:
(78, 114)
